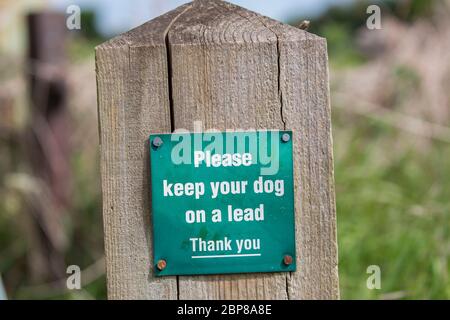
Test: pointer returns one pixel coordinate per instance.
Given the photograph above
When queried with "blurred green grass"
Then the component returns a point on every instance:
(393, 210)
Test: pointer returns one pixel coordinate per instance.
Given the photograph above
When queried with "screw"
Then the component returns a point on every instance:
(157, 142)
(161, 265)
(287, 260)
(285, 137)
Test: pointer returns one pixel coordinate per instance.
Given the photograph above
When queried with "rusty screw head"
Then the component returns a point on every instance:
(157, 142)
(285, 137)
(287, 260)
(161, 265)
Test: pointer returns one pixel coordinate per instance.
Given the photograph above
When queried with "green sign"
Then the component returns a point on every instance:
(222, 202)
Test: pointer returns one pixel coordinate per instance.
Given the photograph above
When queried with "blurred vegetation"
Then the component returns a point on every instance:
(85, 39)
(340, 24)
(82, 223)
(393, 211)
(392, 186)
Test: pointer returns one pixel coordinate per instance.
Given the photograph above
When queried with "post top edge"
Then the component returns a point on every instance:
(203, 20)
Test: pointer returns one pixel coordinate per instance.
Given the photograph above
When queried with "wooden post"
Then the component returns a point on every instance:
(48, 95)
(230, 68)
(48, 142)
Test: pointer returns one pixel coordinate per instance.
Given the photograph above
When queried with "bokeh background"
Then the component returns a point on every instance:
(391, 125)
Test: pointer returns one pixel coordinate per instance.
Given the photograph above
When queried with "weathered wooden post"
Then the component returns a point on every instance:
(230, 68)
(48, 146)
(48, 95)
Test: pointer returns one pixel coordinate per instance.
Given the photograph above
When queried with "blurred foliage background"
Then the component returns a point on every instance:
(391, 116)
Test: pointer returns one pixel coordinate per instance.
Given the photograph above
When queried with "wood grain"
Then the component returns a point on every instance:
(230, 68)
(133, 102)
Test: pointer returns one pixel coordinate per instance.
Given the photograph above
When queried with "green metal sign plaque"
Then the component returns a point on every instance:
(222, 202)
